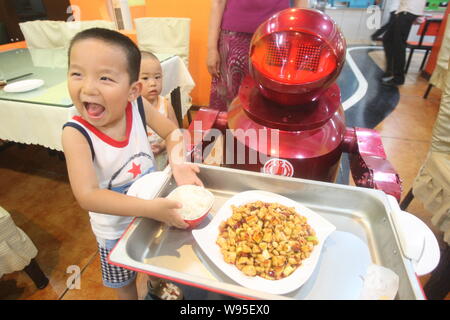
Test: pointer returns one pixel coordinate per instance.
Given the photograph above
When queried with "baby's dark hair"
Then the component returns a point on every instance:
(115, 38)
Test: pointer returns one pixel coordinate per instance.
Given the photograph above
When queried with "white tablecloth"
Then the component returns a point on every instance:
(41, 124)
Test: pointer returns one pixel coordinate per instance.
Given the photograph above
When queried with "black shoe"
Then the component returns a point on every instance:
(392, 82)
(387, 74)
(376, 37)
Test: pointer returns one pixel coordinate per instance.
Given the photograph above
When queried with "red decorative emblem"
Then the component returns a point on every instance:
(136, 170)
(279, 167)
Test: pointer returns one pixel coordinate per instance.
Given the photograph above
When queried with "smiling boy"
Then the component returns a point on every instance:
(106, 146)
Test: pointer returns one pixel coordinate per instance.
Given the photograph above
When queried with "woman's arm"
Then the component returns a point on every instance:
(84, 184)
(215, 20)
(301, 3)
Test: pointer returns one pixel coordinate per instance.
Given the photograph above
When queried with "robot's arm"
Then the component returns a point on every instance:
(368, 163)
(203, 130)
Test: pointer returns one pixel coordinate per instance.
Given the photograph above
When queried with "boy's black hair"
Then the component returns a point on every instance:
(115, 38)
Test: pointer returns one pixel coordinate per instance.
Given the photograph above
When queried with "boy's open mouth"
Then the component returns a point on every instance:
(94, 110)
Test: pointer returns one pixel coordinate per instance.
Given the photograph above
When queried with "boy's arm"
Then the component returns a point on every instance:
(183, 172)
(171, 113)
(84, 184)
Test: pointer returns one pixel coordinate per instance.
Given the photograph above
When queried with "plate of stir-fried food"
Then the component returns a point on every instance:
(265, 241)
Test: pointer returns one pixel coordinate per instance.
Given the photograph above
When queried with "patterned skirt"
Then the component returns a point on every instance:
(234, 57)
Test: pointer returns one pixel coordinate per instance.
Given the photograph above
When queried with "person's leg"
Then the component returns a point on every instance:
(121, 279)
(377, 34)
(128, 292)
(218, 94)
(438, 286)
(388, 39)
(35, 273)
(404, 24)
(233, 49)
(237, 66)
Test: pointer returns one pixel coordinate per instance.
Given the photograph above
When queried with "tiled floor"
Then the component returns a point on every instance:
(34, 188)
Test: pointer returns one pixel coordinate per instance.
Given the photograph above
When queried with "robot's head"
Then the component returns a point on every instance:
(295, 55)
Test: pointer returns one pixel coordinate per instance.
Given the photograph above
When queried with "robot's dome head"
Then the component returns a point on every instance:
(295, 55)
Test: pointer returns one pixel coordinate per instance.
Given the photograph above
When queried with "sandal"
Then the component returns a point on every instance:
(164, 290)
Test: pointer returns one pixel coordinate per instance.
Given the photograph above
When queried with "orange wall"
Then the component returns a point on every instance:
(197, 10)
(92, 9)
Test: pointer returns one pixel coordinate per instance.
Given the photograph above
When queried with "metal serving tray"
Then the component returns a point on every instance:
(365, 234)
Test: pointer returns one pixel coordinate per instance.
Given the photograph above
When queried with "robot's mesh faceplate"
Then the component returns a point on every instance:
(307, 57)
(277, 53)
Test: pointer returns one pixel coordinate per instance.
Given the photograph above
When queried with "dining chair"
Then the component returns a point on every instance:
(439, 73)
(167, 35)
(70, 29)
(428, 28)
(17, 251)
(43, 34)
(164, 35)
(46, 34)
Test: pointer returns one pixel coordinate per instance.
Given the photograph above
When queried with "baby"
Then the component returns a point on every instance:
(151, 78)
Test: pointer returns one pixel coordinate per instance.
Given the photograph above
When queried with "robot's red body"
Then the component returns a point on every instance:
(287, 118)
(310, 149)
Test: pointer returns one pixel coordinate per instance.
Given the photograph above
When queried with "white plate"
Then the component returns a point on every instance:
(24, 86)
(206, 238)
(148, 186)
(429, 256)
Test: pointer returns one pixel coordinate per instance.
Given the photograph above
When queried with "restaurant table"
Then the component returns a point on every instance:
(37, 116)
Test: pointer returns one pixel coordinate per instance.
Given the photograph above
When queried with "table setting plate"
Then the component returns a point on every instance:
(24, 85)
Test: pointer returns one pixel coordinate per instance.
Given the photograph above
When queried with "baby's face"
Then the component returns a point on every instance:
(99, 83)
(151, 78)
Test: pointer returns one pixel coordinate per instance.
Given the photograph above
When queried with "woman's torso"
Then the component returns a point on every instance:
(247, 15)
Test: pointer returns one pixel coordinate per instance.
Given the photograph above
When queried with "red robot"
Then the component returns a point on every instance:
(287, 118)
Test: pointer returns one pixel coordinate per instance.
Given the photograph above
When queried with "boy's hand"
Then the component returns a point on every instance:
(186, 173)
(167, 213)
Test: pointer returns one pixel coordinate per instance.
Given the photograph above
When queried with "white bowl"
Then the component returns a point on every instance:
(189, 196)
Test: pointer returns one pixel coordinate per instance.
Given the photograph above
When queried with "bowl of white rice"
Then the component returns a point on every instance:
(197, 202)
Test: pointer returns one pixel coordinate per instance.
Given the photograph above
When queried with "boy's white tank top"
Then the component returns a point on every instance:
(117, 164)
